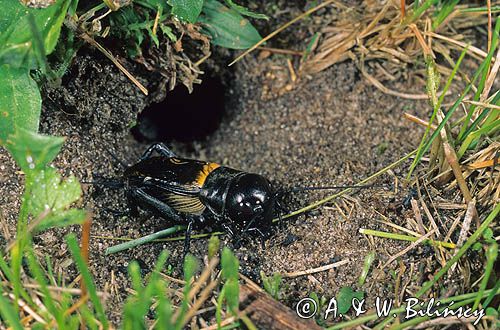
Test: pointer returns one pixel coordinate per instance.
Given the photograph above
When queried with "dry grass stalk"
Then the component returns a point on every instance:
(430, 217)
(317, 269)
(464, 232)
(281, 28)
(482, 169)
(409, 248)
(379, 30)
(418, 216)
(419, 121)
(113, 59)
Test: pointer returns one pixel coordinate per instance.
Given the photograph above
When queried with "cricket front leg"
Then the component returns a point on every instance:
(159, 148)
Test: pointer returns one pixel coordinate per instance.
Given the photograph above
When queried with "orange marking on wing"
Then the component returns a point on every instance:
(205, 171)
(177, 161)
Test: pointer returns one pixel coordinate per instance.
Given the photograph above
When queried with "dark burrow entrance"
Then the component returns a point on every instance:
(182, 116)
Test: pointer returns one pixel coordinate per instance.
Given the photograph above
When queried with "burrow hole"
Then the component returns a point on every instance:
(182, 116)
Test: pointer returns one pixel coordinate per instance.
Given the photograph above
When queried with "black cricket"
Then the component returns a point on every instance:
(198, 194)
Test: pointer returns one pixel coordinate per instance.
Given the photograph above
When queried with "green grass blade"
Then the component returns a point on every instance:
(472, 239)
(89, 318)
(164, 309)
(8, 313)
(444, 11)
(370, 257)
(420, 152)
(490, 114)
(135, 276)
(484, 70)
(491, 257)
(50, 270)
(492, 294)
(494, 9)
(420, 10)
(87, 279)
(453, 108)
(473, 137)
(230, 265)
(190, 265)
(7, 271)
(48, 301)
(143, 240)
(4, 267)
(218, 310)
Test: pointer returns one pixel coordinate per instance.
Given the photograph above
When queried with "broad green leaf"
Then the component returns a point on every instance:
(186, 10)
(62, 219)
(16, 33)
(345, 297)
(32, 151)
(244, 11)
(227, 27)
(20, 101)
(48, 191)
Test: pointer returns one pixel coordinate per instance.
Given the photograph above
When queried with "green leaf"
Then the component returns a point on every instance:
(345, 297)
(477, 246)
(186, 10)
(167, 30)
(488, 235)
(62, 219)
(490, 311)
(16, 34)
(49, 192)
(227, 27)
(244, 11)
(33, 151)
(20, 101)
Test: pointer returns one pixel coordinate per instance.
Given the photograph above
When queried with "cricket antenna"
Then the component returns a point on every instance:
(119, 161)
(312, 188)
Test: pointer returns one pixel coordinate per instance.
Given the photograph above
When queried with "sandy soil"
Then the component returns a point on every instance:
(330, 129)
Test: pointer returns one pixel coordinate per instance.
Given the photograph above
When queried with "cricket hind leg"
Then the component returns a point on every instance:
(142, 198)
(159, 148)
(167, 212)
